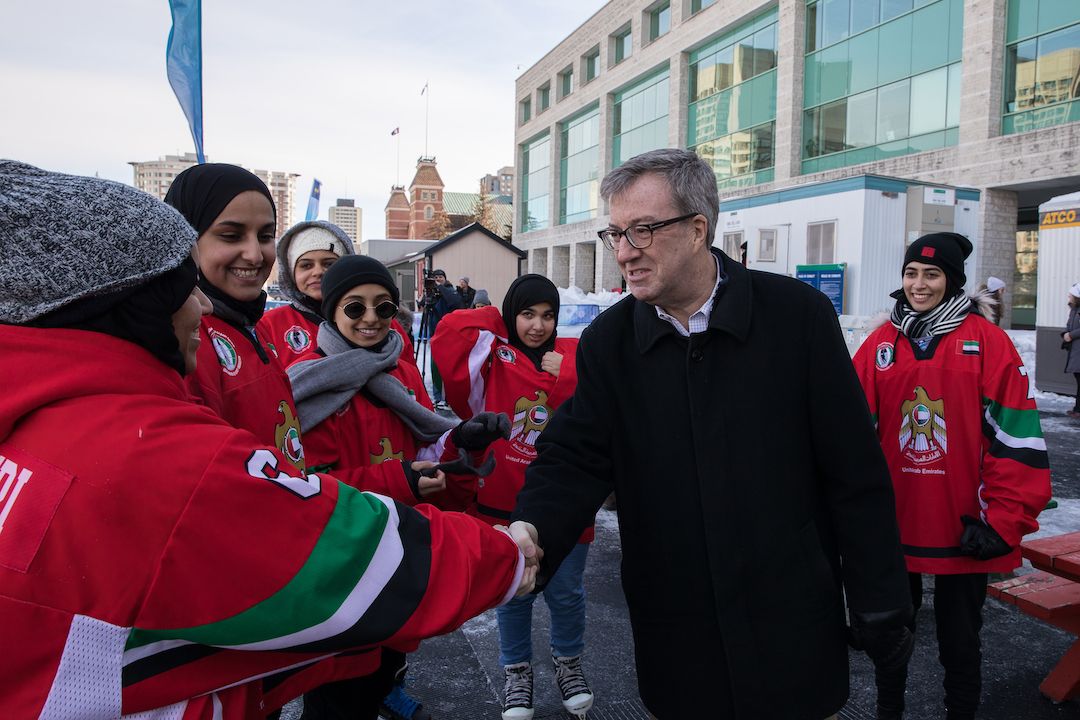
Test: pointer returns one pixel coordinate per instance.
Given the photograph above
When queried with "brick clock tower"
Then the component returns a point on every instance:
(425, 197)
(397, 214)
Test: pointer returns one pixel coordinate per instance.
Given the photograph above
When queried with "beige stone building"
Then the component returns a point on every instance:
(976, 94)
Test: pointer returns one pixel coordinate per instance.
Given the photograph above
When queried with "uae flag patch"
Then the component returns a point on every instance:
(967, 347)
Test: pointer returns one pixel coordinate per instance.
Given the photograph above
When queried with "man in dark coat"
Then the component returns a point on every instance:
(722, 408)
(440, 298)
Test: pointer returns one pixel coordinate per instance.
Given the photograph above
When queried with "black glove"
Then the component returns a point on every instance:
(481, 430)
(981, 541)
(464, 465)
(884, 636)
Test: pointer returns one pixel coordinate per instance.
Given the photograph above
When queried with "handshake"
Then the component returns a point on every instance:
(524, 534)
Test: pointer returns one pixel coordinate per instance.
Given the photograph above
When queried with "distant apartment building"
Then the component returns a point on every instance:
(787, 96)
(155, 177)
(349, 218)
(501, 183)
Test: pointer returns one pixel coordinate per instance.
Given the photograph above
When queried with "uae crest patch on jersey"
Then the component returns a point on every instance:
(923, 437)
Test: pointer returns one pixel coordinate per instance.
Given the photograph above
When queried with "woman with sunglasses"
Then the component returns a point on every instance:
(513, 362)
(361, 407)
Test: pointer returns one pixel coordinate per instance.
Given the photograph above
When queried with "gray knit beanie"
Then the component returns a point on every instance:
(67, 237)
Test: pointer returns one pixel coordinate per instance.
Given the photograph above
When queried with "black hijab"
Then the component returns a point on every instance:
(524, 292)
(201, 193)
(142, 315)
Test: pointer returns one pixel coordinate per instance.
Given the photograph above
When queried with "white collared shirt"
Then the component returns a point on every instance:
(699, 321)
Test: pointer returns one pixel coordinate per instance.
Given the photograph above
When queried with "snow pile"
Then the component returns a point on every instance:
(576, 296)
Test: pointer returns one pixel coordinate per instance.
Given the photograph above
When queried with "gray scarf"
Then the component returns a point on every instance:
(322, 386)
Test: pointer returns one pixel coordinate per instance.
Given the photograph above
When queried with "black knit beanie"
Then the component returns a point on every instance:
(945, 250)
(347, 273)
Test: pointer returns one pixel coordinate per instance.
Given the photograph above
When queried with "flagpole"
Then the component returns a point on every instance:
(397, 175)
(427, 112)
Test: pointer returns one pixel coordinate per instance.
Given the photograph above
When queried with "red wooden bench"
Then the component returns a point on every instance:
(1056, 600)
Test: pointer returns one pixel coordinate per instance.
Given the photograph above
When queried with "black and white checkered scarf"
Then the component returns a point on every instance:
(940, 320)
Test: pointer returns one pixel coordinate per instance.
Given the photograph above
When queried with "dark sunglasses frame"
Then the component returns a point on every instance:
(356, 309)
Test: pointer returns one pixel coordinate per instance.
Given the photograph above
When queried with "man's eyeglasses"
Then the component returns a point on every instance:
(356, 309)
(639, 236)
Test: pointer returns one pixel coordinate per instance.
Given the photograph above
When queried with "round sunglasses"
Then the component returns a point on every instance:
(356, 309)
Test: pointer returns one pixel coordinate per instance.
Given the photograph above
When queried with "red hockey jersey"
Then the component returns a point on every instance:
(295, 334)
(247, 386)
(152, 556)
(481, 371)
(961, 434)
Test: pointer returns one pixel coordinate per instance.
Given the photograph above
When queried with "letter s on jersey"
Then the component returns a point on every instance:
(263, 464)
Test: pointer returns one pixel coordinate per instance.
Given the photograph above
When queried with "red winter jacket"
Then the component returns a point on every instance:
(152, 556)
(961, 434)
(482, 371)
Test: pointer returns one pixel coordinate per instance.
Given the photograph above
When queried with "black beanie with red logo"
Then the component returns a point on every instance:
(945, 250)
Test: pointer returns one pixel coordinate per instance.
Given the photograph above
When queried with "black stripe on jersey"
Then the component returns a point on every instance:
(1038, 459)
(398, 600)
(493, 512)
(932, 552)
(164, 661)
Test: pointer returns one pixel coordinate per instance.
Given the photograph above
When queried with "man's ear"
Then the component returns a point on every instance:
(701, 229)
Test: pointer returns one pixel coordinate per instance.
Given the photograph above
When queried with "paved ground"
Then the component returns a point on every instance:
(458, 677)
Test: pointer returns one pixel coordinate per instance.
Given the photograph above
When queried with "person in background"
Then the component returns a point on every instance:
(304, 253)
(957, 421)
(1072, 333)
(166, 559)
(513, 362)
(440, 298)
(466, 293)
(753, 495)
(481, 299)
(361, 407)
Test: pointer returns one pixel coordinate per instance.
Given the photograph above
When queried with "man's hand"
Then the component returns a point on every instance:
(551, 362)
(425, 478)
(884, 636)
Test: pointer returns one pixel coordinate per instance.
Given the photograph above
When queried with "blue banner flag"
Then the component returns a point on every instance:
(313, 201)
(183, 64)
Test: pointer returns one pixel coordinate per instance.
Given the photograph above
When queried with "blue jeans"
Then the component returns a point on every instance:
(565, 597)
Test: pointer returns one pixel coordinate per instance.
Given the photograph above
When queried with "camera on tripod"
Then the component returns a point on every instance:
(430, 286)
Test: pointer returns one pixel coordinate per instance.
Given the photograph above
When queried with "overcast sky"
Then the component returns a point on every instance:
(312, 87)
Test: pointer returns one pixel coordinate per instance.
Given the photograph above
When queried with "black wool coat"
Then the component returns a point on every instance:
(751, 492)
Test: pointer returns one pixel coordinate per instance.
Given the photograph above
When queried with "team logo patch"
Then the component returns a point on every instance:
(226, 353)
(298, 339)
(386, 452)
(922, 428)
(506, 354)
(884, 356)
(967, 347)
(530, 419)
(287, 436)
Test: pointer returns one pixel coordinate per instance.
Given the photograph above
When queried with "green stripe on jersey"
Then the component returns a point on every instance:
(336, 565)
(1015, 423)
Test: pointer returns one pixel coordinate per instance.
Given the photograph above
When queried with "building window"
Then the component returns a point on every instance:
(820, 243)
(766, 251)
(659, 21)
(733, 245)
(525, 110)
(1041, 67)
(622, 45)
(697, 6)
(566, 82)
(640, 118)
(543, 98)
(592, 64)
(429, 212)
(868, 93)
(732, 113)
(579, 171)
(535, 181)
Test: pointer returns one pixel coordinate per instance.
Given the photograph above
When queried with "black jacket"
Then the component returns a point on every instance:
(750, 487)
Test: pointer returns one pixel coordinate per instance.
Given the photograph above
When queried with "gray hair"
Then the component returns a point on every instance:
(691, 180)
